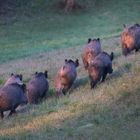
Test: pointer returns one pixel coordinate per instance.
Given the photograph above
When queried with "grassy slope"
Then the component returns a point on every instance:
(111, 111)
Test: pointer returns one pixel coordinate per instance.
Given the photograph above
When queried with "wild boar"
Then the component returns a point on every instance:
(100, 67)
(37, 87)
(66, 76)
(12, 94)
(130, 39)
(91, 50)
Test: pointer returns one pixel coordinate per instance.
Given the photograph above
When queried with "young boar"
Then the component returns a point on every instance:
(130, 39)
(91, 50)
(37, 87)
(66, 76)
(100, 67)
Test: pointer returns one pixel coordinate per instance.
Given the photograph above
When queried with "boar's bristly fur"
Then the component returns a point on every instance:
(66, 76)
(100, 67)
(37, 87)
(91, 50)
(130, 39)
(12, 94)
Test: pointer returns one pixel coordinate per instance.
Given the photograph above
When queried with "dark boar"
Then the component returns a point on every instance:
(11, 95)
(100, 67)
(130, 39)
(91, 50)
(66, 76)
(37, 87)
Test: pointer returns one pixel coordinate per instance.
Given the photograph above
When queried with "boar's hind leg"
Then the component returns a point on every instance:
(44, 94)
(66, 88)
(2, 115)
(12, 112)
(125, 51)
(137, 49)
(64, 91)
(105, 71)
(93, 84)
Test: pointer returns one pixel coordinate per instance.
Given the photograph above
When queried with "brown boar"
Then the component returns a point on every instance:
(130, 39)
(37, 87)
(100, 67)
(66, 76)
(91, 50)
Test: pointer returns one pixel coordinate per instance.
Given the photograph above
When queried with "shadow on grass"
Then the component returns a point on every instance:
(120, 71)
(80, 82)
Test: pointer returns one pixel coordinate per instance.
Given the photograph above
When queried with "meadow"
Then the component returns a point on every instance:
(39, 36)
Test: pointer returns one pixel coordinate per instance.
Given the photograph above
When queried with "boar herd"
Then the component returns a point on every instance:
(96, 62)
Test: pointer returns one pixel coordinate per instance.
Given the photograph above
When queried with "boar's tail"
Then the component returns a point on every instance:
(112, 56)
(77, 63)
(46, 73)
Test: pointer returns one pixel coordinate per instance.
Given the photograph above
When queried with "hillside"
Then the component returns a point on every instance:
(42, 40)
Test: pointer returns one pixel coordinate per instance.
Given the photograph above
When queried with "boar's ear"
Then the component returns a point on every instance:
(35, 73)
(112, 56)
(11, 74)
(98, 39)
(124, 25)
(20, 76)
(89, 40)
(137, 24)
(46, 73)
(77, 63)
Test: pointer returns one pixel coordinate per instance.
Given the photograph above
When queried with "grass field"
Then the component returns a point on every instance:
(36, 28)
(40, 36)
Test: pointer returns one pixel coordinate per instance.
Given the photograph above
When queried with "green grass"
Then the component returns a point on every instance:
(42, 26)
(110, 111)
